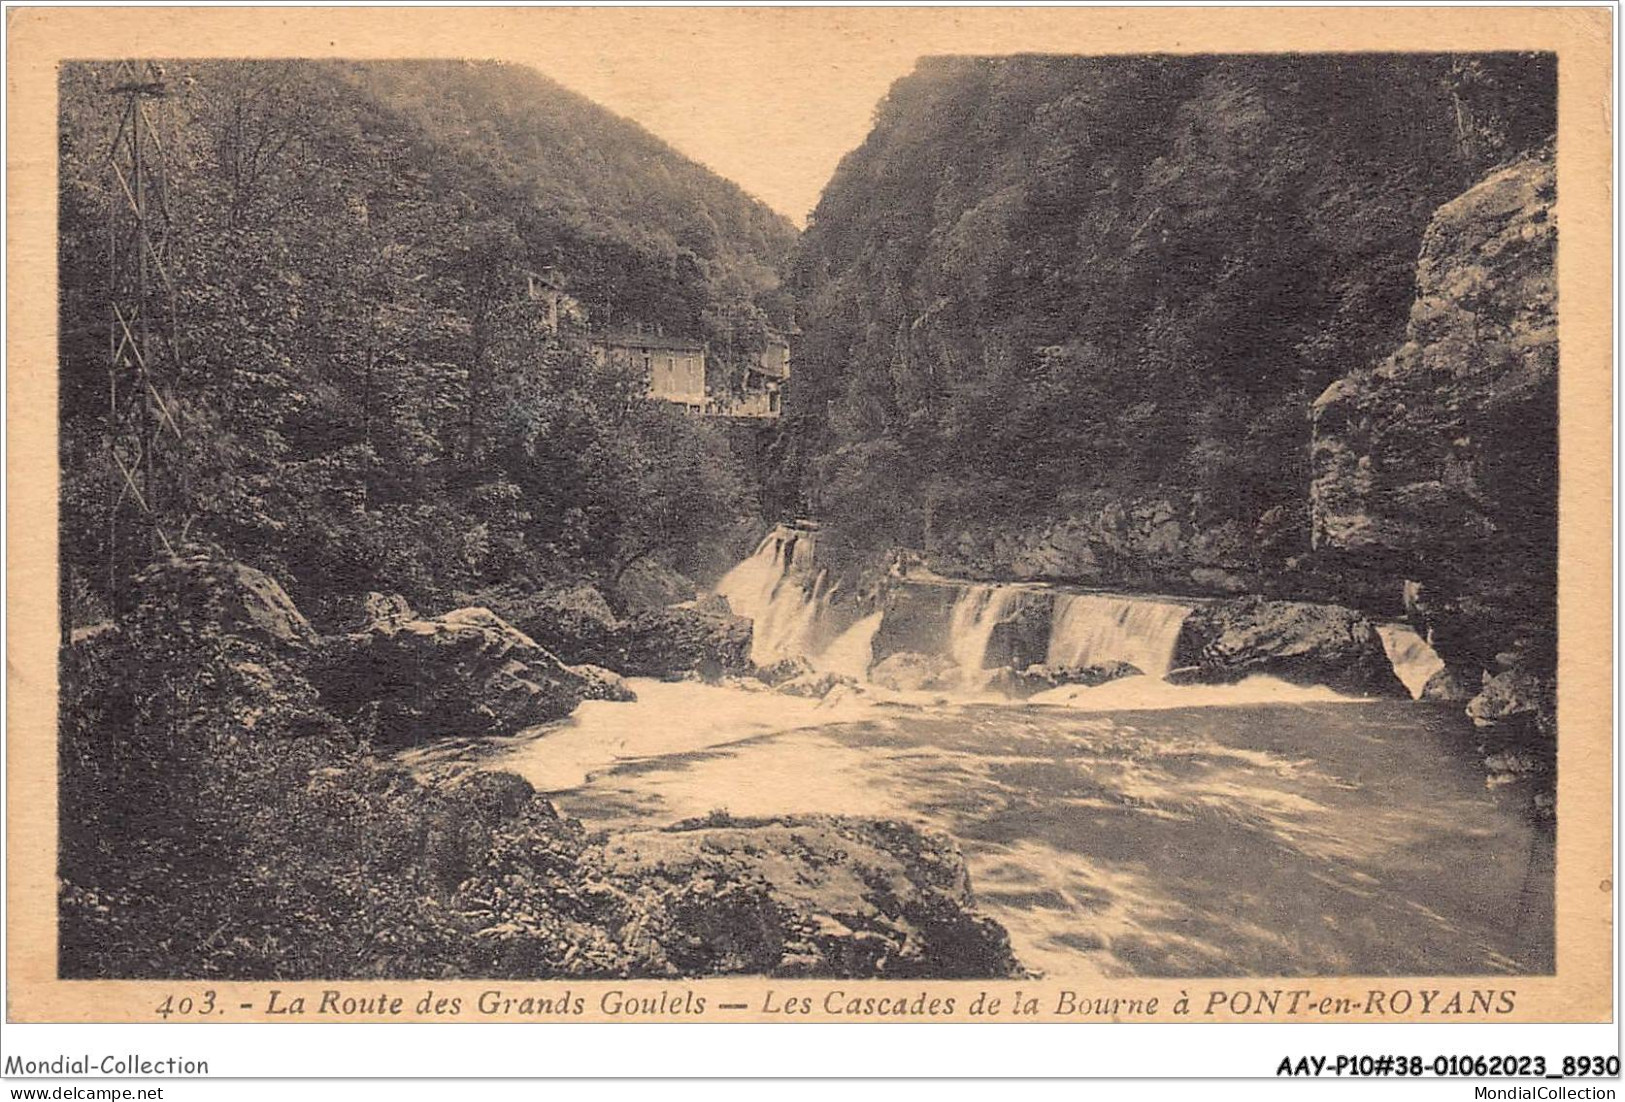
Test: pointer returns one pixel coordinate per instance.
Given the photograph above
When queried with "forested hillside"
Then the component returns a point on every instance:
(1050, 287)
(364, 397)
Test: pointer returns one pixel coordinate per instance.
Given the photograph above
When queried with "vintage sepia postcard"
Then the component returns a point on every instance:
(789, 514)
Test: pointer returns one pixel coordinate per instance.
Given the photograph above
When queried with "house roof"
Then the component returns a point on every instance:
(630, 339)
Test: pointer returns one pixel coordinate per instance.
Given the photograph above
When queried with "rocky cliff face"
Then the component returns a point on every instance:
(1160, 542)
(1439, 464)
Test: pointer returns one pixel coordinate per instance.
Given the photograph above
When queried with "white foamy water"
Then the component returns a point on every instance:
(979, 610)
(789, 618)
(669, 718)
(1414, 661)
(1130, 694)
(853, 651)
(673, 718)
(1091, 628)
(1187, 841)
(1136, 827)
(784, 615)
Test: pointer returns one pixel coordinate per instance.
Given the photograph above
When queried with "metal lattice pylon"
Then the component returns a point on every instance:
(142, 351)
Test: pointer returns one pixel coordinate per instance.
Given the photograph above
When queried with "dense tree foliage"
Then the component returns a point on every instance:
(1044, 281)
(367, 398)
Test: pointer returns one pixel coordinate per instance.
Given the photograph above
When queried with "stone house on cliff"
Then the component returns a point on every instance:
(676, 369)
(674, 366)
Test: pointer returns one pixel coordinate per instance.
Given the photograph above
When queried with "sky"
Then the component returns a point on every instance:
(771, 98)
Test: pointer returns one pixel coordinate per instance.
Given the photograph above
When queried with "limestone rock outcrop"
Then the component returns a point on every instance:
(809, 896)
(468, 672)
(202, 591)
(1306, 644)
(1439, 464)
(1157, 542)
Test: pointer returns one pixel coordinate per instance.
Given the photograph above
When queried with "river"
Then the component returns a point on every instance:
(1135, 827)
(1140, 828)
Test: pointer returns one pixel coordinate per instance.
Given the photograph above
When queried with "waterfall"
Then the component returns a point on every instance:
(789, 627)
(1090, 628)
(852, 652)
(1414, 661)
(749, 585)
(976, 613)
(784, 612)
(791, 619)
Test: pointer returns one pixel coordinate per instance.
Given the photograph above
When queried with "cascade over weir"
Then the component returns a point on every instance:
(800, 612)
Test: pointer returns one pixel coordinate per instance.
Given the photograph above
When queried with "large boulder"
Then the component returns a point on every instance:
(649, 585)
(577, 624)
(573, 621)
(818, 686)
(1514, 698)
(1452, 685)
(468, 672)
(674, 642)
(1306, 644)
(211, 650)
(224, 649)
(1439, 464)
(598, 683)
(202, 592)
(812, 896)
(784, 670)
(383, 608)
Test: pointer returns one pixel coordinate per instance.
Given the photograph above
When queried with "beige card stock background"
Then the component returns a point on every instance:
(566, 42)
